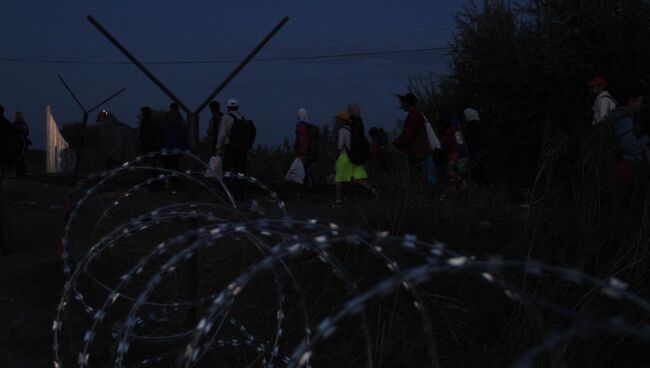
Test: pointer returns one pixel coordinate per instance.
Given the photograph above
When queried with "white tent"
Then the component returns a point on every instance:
(59, 158)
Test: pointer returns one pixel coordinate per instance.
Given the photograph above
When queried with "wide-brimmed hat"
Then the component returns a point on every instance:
(233, 103)
(343, 115)
(408, 99)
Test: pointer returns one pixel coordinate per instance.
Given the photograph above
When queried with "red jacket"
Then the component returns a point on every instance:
(414, 139)
(301, 146)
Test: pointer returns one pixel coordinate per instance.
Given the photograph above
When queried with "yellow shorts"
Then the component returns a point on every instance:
(346, 171)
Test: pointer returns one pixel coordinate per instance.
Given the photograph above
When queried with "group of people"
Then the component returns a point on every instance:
(14, 141)
(120, 143)
(620, 114)
(432, 158)
(436, 153)
(440, 153)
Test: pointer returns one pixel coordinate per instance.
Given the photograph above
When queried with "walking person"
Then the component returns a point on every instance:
(174, 135)
(453, 147)
(213, 126)
(151, 139)
(414, 140)
(348, 171)
(482, 140)
(305, 146)
(235, 139)
(10, 144)
(604, 102)
(379, 140)
(629, 141)
(22, 128)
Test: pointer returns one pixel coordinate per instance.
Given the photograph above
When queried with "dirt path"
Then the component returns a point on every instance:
(30, 278)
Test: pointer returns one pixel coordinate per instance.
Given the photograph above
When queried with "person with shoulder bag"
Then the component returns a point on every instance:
(418, 139)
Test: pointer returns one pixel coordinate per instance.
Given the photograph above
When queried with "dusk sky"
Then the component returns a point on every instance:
(269, 92)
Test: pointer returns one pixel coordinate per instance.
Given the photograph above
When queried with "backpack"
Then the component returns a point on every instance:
(359, 151)
(242, 133)
(607, 128)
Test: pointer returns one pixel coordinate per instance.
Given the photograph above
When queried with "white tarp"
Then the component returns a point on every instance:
(59, 158)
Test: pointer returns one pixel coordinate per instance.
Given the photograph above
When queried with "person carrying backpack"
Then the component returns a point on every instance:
(414, 139)
(629, 142)
(236, 137)
(353, 154)
(306, 145)
(604, 102)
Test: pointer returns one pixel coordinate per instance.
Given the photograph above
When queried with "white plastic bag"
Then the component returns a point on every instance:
(434, 142)
(296, 172)
(215, 168)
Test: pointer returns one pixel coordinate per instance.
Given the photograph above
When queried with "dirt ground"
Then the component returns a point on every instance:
(31, 277)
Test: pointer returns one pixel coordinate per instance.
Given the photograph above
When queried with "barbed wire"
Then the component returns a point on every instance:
(263, 298)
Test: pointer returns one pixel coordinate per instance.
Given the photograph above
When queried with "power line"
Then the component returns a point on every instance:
(225, 61)
(312, 42)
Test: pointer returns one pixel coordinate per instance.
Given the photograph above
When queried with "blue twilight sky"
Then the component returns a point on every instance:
(269, 92)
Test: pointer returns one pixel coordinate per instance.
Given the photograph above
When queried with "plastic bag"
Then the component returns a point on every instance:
(296, 172)
(215, 168)
(434, 142)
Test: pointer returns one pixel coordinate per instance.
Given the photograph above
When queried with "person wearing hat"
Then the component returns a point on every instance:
(604, 102)
(346, 171)
(305, 146)
(413, 140)
(234, 158)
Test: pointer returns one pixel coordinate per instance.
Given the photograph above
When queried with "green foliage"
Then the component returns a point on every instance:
(269, 164)
(526, 66)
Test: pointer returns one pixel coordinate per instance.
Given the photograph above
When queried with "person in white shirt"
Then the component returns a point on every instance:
(604, 102)
(234, 157)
